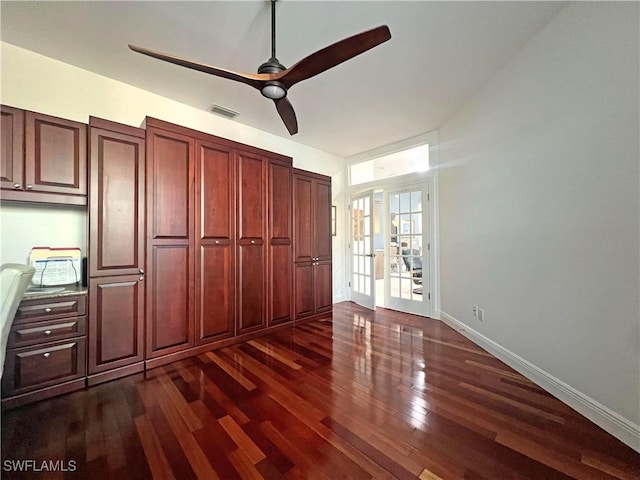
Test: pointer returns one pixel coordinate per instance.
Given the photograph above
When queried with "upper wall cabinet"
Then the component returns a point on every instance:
(12, 144)
(54, 159)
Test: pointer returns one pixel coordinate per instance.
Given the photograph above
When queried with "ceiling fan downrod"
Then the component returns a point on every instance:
(273, 89)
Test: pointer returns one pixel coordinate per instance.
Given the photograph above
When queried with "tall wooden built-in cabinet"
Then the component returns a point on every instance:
(312, 244)
(219, 241)
(170, 242)
(215, 242)
(195, 242)
(280, 246)
(116, 250)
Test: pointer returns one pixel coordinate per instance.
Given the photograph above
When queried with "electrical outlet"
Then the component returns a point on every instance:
(481, 314)
(475, 310)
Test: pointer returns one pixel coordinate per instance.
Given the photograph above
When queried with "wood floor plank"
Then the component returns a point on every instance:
(241, 439)
(361, 395)
(160, 468)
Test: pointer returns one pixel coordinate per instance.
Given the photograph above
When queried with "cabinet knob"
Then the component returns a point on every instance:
(46, 355)
(16, 185)
(253, 242)
(29, 187)
(217, 242)
(142, 270)
(141, 278)
(47, 332)
(48, 310)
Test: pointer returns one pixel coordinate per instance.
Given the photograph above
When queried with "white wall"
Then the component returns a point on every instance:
(539, 205)
(34, 82)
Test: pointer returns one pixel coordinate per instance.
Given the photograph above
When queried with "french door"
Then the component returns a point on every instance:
(362, 255)
(407, 250)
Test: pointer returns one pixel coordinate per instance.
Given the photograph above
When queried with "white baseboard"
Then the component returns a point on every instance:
(618, 426)
(339, 298)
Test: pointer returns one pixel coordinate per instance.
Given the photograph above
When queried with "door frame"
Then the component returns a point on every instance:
(411, 180)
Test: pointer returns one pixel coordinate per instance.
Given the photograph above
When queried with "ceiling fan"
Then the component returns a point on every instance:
(273, 79)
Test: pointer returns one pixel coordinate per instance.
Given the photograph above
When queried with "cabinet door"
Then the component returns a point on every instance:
(323, 297)
(116, 206)
(55, 155)
(280, 248)
(303, 189)
(215, 272)
(251, 220)
(322, 220)
(12, 148)
(304, 298)
(170, 260)
(116, 322)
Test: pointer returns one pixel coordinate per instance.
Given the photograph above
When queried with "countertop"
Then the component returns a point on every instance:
(40, 293)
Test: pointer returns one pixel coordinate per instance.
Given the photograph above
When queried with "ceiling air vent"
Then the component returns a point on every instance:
(225, 112)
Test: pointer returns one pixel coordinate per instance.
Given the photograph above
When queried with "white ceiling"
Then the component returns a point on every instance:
(439, 54)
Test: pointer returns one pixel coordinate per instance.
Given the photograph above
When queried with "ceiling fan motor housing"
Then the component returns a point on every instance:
(272, 88)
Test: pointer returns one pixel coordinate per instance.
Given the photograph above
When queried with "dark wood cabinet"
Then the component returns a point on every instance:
(117, 203)
(52, 166)
(170, 277)
(280, 246)
(46, 350)
(215, 243)
(12, 148)
(116, 327)
(116, 250)
(312, 244)
(251, 245)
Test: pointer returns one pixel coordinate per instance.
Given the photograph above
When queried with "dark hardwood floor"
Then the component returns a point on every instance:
(367, 395)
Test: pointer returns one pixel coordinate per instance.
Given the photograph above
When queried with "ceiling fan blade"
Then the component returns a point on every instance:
(285, 109)
(251, 79)
(333, 55)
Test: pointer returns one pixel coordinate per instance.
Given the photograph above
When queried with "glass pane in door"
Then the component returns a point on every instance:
(405, 219)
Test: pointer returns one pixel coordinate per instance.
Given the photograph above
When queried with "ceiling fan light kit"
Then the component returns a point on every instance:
(273, 79)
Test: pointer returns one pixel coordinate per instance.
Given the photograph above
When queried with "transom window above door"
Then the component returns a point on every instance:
(413, 160)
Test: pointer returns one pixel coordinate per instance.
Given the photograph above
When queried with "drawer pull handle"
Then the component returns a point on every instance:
(253, 242)
(217, 242)
(16, 185)
(47, 332)
(29, 187)
(46, 355)
(48, 310)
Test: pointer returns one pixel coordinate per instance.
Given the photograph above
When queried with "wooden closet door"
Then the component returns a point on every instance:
(322, 220)
(280, 248)
(116, 205)
(303, 194)
(116, 325)
(170, 242)
(215, 246)
(251, 264)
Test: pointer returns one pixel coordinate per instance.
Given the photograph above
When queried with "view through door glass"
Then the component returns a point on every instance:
(405, 218)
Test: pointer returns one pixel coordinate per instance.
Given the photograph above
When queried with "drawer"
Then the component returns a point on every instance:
(51, 308)
(40, 366)
(25, 334)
